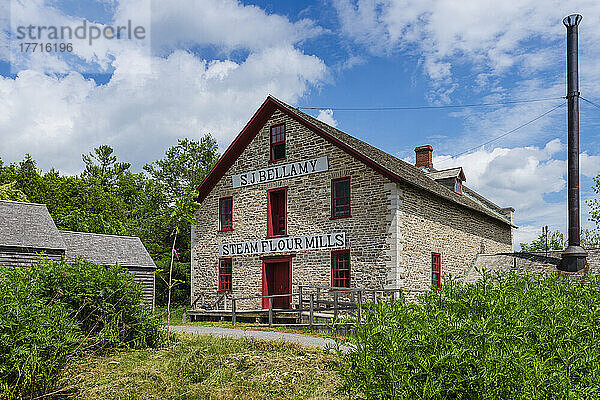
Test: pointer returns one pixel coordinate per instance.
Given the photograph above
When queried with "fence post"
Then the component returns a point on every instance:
(233, 311)
(301, 305)
(335, 305)
(373, 294)
(359, 305)
(312, 310)
(270, 311)
(318, 295)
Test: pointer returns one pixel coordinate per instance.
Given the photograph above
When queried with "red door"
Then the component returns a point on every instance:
(277, 280)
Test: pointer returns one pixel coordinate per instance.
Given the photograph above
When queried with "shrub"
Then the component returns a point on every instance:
(55, 311)
(506, 336)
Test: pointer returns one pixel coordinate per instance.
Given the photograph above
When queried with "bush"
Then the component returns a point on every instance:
(55, 311)
(507, 336)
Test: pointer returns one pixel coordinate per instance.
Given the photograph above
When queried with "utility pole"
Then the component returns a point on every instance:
(574, 256)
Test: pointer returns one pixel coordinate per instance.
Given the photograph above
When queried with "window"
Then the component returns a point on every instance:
(340, 268)
(226, 214)
(277, 212)
(436, 269)
(458, 186)
(225, 275)
(340, 198)
(277, 142)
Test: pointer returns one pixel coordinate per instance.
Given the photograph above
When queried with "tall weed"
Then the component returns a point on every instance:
(506, 336)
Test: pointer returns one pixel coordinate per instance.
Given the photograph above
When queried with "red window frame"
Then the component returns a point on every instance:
(458, 186)
(270, 232)
(228, 226)
(436, 270)
(225, 275)
(340, 281)
(334, 198)
(277, 139)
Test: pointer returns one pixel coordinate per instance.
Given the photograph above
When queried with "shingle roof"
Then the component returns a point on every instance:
(28, 225)
(127, 251)
(405, 171)
(447, 173)
(386, 164)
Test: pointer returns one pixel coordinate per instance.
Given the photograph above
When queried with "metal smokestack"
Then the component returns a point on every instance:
(574, 256)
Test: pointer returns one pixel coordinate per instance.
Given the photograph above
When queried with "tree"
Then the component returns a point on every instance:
(185, 165)
(181, 171)
(10, 191)
(102, 167)
(555, 240)
(590, 238)
(182, 214)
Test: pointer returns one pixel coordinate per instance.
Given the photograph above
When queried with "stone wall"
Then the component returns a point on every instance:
(431, 224)
(391, 233)
(309, 212)
(538, 262)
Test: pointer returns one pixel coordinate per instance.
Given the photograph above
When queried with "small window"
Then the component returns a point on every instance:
(436, 269)
(278, 142)
(226, 214)
(340, 269)
(277, 212)
(458, 186)
(225, 275)
(340, 198)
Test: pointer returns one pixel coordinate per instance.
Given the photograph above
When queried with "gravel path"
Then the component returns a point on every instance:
(312, 341)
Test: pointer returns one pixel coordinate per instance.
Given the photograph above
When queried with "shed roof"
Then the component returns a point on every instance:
(28, 225)
(127, 251)
(395, 169)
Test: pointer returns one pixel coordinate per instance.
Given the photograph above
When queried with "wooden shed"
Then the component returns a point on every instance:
(126, 251)
(28, 233)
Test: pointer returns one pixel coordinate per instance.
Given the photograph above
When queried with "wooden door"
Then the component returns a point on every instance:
(277, 280)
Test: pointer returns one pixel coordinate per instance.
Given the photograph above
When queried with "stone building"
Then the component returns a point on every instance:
(28, 233)
(294, 201)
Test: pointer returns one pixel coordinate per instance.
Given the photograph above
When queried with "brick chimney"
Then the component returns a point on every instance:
(424, 158)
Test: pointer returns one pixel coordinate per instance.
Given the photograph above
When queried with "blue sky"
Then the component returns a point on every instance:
(206, 66)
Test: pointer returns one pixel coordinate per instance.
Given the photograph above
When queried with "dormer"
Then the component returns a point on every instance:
(452, 178)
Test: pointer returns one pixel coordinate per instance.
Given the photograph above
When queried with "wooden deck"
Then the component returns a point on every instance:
(311, 306)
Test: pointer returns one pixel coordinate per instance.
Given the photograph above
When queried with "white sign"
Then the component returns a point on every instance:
(278, 172)
(278, 245)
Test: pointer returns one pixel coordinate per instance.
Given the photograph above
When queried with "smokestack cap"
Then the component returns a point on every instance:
(572, 20)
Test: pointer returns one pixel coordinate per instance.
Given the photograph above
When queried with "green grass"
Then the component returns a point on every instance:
(176, 319)
(205, 367)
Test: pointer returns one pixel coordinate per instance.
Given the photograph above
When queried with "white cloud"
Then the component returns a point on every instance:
(531, 179)
(227, 24)
(141, 113)
(445, 33)
(327, 117)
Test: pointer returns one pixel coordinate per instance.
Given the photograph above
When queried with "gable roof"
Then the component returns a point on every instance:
(447, 173)
(386, 164)
(28, 225)
(127, 251)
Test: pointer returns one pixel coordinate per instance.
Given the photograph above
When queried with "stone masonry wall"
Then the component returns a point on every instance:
(434, 225)
(539, 262)
(309, 212)
(391, 233)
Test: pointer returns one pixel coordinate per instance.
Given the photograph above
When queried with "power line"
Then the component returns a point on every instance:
(589, 101)
(509, 132)
(430, 107)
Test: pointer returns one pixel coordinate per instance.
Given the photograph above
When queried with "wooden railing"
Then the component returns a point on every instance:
(316, 299)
